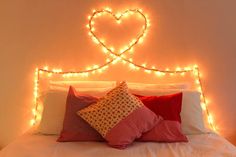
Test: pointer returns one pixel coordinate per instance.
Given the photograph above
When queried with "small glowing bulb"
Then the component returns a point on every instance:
(140, 40)
(197, 81)
(95, 66)
(158, 73)
(32, 122)
(203, 105)
(108, 9)
(108, 60)
(131, 51)
(89, 17)
(34, 111)
(94, 10)
(87, 26)
(118, 21)
(132, 66)
(95, 40)
(210, 119)
(178, 69)
(199, 89)
(39, 117)
(118, 15)
(105, 50)
(112, 49)
(207, 101)
(49, 74)
(148, 71)
(187, 68)
(45, 68)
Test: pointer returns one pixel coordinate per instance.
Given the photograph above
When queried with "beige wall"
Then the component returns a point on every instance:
(53, 32)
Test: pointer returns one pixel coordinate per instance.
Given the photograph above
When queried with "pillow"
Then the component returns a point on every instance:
(119, 117)
(192, 121)
(167, 106)
(165, 131)
(169, 129)
(54, 107)
(143, 86)
(81, 85)
(74, 127)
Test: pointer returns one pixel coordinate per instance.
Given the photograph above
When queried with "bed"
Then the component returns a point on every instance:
(35, 145)
(43, 141)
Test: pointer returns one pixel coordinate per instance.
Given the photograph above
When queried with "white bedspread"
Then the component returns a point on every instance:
(208, 145)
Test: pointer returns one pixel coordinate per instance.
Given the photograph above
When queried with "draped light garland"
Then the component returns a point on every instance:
(114, 57)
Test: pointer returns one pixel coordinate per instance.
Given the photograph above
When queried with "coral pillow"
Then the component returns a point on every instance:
(120, 117)
(74, 127)
(169, 129)
(165, 131)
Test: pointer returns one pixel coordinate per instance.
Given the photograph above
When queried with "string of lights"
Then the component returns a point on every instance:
(113, 58)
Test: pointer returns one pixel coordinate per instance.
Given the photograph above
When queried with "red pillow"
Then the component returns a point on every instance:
(169, 129)
(167, 106)
(74, 127)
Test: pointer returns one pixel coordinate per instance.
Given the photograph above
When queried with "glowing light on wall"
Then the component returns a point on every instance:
(118, 57)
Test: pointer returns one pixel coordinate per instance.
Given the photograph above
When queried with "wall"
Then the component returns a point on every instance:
(53, 32)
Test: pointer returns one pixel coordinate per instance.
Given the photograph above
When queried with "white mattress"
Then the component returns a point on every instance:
(207, 145)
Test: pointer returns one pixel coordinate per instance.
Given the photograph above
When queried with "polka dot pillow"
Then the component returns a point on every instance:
(119, 117)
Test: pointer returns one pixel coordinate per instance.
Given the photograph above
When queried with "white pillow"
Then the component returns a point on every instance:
(140, 86)
(54, 103)
(80, 85)
(191, 114)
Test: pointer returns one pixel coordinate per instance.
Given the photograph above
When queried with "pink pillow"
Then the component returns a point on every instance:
(74, 127)
(119, 117)
(169, 129)
(165, 131)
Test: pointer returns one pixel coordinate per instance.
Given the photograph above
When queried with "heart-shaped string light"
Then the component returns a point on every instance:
(118, 17)
(116, 57)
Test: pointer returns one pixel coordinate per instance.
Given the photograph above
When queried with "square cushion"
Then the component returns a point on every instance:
(74, 127)
(169, 129)
(119, 117)
(167, 106)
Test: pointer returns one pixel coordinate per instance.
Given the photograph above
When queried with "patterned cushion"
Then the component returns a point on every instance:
(119, 117)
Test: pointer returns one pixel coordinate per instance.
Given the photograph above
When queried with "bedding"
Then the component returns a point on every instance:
(54, 109)
(36, 145)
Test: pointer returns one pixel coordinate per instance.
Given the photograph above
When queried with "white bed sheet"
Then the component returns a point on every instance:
(207, 145)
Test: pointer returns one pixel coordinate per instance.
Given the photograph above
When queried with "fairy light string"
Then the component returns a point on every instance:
(113, 58)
